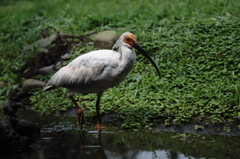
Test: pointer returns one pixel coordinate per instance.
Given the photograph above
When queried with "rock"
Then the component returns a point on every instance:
(29, 84)
(105, 39)
(66, 56)
(15, 134)
(10, 108)
(43, 50)
(2, 84)
(48, 70)
(42, 43)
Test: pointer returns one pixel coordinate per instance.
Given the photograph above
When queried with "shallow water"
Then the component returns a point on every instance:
(60, 139)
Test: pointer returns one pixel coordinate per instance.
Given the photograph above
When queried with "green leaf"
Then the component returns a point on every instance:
(116, 92)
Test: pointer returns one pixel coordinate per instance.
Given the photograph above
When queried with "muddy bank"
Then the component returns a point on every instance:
(198, 128)
(60, 138)
(191, 127)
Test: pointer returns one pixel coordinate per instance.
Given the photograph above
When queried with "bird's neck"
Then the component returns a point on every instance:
(128, 58)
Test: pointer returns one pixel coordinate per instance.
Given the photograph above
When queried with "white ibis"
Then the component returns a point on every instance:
(96, 71)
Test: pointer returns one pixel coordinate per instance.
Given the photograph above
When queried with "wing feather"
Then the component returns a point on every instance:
(86, 70)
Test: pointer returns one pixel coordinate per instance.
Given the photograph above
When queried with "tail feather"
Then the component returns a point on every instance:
(49, 88)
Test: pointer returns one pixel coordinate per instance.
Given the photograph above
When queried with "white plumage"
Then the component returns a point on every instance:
(96, 71)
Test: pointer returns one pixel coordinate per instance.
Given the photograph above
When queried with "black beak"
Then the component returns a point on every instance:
(140, 49)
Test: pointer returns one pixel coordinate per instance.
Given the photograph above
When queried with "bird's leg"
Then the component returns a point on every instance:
(79, 112)
(99, 95)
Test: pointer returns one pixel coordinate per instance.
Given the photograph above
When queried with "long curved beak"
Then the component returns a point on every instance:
(140, 49)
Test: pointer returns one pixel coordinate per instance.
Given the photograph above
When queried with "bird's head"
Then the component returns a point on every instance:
(130, 39)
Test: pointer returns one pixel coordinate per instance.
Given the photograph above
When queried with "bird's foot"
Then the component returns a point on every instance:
(100, 127)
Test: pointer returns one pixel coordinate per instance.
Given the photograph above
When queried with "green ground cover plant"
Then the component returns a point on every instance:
(196, 45)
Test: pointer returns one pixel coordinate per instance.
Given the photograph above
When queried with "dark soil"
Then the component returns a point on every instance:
(63, 44)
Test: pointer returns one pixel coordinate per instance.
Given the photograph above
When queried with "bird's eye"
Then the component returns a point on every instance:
(128, 39)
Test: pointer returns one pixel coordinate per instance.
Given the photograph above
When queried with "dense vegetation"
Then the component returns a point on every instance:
(196, 45)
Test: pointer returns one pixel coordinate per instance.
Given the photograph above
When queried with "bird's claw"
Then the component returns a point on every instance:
(100, 127)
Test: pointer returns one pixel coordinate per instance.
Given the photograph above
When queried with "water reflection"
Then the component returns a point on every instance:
(61, 139)
(125, 145)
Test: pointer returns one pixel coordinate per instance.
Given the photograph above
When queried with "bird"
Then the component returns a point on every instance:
(97, 71)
